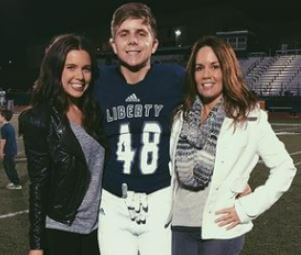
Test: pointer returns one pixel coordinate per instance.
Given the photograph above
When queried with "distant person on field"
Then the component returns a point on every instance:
(8, 149)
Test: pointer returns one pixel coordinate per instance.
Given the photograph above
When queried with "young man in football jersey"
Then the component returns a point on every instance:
(137, 100)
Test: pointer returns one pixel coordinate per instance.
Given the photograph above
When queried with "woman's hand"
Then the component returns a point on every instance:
(35, 252)
(228, 218)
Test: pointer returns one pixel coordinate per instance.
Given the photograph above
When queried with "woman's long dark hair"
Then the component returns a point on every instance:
(238, 99)
(48, 87)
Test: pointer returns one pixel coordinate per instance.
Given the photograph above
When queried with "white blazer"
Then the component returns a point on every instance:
(237, 153)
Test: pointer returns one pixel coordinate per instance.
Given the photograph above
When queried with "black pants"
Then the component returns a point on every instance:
(9, 165)
(190, 242)
(66, 243)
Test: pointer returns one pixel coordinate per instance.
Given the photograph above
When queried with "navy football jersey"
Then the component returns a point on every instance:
(137, 123)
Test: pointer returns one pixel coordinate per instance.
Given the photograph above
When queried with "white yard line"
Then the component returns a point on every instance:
(286, 133)
(4, 216)
(286, 124)
(295, 153)
(291, 154)
(298, 163)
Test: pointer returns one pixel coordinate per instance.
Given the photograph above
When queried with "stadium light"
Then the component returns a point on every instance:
(178, 34)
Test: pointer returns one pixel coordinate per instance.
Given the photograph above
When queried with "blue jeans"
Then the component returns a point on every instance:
(9, 165)
(190, 242)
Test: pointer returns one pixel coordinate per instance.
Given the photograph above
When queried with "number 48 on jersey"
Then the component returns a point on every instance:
(149, 150)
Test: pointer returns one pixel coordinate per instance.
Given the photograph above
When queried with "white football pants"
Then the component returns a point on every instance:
(118, 234)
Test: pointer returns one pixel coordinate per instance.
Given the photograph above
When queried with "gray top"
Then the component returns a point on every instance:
(87, 216)
(189, 205)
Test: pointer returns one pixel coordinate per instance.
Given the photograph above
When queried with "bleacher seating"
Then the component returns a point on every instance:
(275, 76)
(247, 64)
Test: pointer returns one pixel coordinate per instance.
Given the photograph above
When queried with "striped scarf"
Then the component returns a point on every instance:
(196, 147)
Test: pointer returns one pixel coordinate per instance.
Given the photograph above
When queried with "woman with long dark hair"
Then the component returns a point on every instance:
(64, 146)
(218, 135)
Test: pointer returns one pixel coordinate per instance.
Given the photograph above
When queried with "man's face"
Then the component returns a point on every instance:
(134, 43)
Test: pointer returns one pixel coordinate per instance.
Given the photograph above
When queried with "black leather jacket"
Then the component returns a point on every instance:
(58, 172)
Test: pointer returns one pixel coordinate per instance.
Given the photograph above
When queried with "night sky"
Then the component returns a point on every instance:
(25, 23)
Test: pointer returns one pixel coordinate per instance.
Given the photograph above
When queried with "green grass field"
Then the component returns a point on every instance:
(276, 232)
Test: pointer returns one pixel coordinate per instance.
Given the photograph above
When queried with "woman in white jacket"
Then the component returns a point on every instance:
(218, 135)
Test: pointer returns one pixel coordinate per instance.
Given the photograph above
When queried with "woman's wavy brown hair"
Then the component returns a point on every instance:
(238, 99)
(48, 87)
